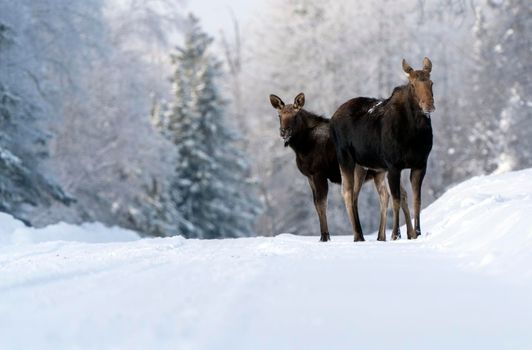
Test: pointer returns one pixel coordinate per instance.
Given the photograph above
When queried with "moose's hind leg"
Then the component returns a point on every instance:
(359, 179)
(347, 194)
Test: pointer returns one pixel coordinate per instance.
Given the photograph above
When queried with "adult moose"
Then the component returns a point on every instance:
(394, 134)
(309, 136)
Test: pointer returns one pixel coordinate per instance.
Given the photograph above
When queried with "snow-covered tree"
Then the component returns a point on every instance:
(211, 187)
(24, 187)
(511, 50)
(105, 150)
(498, 89)
(88, 69)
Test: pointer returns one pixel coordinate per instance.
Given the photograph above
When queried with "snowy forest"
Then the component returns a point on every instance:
(130, 113)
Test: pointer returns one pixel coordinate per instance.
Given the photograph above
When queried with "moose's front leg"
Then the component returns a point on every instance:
(384, 197)
(416, 179)
(320, 188)
(408, 221)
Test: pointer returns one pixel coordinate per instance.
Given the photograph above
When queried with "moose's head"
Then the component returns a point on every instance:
(421, 85)
(287, 114)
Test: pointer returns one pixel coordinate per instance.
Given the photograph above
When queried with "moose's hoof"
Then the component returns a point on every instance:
(412, 235)
(325, 237)
(359, 239)
(396, 236)
(381, 239)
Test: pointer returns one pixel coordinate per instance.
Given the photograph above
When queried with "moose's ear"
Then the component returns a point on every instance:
(406, 67)
(427, 65)
(299, 101)
(276, 102)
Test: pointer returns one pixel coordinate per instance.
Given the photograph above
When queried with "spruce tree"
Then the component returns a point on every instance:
(210, 187)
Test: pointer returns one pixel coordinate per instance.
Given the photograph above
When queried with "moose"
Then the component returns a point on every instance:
(394, 134)
(316, 157)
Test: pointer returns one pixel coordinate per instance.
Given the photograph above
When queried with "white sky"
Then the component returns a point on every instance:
(216, 15)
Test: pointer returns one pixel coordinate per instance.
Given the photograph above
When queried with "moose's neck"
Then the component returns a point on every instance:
(403, 98)
(301, 140)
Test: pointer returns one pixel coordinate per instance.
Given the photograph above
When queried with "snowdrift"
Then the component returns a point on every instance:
(13, 231)
(488, 221)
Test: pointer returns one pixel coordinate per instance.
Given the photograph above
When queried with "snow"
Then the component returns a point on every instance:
(488, 220)
(465, 284)
(13, 231)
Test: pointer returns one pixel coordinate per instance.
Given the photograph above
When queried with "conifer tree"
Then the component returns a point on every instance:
(210, 187)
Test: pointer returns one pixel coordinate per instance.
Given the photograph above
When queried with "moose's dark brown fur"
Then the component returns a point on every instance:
(392, 135)
(309, 136)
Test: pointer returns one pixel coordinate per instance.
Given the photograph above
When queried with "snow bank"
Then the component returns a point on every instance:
(13, 231)
(488, 221)
(8, 225)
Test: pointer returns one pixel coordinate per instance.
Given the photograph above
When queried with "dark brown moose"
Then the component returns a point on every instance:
(309, 136)
(394, 134)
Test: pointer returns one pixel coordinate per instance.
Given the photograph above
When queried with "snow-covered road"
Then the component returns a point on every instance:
(453, 289)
